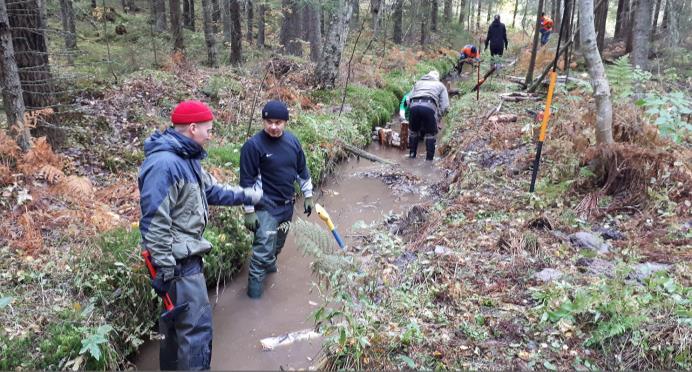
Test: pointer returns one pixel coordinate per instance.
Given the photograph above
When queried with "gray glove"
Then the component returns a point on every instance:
(254, 194)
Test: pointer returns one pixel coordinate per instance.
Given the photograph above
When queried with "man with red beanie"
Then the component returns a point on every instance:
(273, 159)
(175, 194)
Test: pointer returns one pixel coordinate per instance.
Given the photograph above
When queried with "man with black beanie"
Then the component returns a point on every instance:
(272, 159)
(497, 37)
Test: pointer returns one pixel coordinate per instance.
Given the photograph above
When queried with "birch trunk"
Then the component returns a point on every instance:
(599, 82)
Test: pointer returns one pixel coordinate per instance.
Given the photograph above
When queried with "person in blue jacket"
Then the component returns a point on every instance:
(175, 193)
(272, 159)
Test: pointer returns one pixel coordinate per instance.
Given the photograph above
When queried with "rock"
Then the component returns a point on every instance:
(587, 240)
(547, 275)
(442, 251)
(646, 269)
(595, 266)
(610, 234)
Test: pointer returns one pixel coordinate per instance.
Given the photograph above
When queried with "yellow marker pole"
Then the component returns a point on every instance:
(544, 129)
(546, 112)
(324, 216)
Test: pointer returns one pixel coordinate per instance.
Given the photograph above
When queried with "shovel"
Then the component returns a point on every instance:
(324, 216)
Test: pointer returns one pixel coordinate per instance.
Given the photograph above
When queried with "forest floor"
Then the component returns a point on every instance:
(592, 269)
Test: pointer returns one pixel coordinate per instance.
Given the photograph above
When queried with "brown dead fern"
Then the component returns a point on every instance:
(40, 154)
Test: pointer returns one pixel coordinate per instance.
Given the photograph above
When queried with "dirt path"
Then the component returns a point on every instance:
(359, 191)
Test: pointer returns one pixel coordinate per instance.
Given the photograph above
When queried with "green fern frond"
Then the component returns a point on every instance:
(314, 241)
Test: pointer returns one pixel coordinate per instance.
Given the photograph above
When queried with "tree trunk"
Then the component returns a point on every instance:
(312, 29)
(236, 34)
(657, 11)
(31, 52)
(209, 37)
(523, 17)
(189, 14)
(289, 36)
(448, 11)
(375, 6)
(462, 8)
(176, 25)
(601, 14)
(534, 49)
(398, 15)
(226, 20)
(327, 70)
(478, 17)
(490, 10)
(628, 26)
(599, 82)
(216, 11)
(425, 9)
(355, 19)
(678, 13)
(642, 30)
(68, 26)
(11, 85)
(567, 30)
(516, 8)
(558, 13)
(620, 18)
(260, 24)
(160, 15)
(433, 15)
(250, 19)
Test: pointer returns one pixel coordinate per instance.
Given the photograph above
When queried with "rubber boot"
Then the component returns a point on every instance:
(412, 144)
(254, 288)
(430, 148)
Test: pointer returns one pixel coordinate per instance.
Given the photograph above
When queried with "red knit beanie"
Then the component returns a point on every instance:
(188, 112)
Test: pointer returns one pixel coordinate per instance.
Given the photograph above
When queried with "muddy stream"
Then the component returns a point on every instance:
(359, 190)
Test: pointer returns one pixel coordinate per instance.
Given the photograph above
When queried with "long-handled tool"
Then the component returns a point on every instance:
(171, 310)
(546, 112)
(324, 216)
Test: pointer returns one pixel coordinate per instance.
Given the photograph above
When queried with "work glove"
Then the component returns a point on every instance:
(308, 204)
(251, 221)
(161, 286)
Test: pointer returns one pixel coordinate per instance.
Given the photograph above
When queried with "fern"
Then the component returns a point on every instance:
(314, 241)
(620, 78)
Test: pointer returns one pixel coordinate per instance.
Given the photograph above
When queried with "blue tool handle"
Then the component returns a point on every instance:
(338, 238)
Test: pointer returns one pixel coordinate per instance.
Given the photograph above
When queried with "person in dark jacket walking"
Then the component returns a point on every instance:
(272, 159)
(497, 37)
(175, 193)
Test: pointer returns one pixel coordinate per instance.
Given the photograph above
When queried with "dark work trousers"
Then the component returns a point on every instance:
(496, 50)
(423, 123)
(269, 239)
(187, 337)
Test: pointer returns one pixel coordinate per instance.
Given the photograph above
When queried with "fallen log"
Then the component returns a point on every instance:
(362, 153)
(519, 96)
(517, 80)
(503, 118)
(495, 110)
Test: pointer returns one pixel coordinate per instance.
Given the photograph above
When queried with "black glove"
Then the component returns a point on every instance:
(161, 287)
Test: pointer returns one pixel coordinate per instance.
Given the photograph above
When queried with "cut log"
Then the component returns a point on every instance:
(503, 118)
